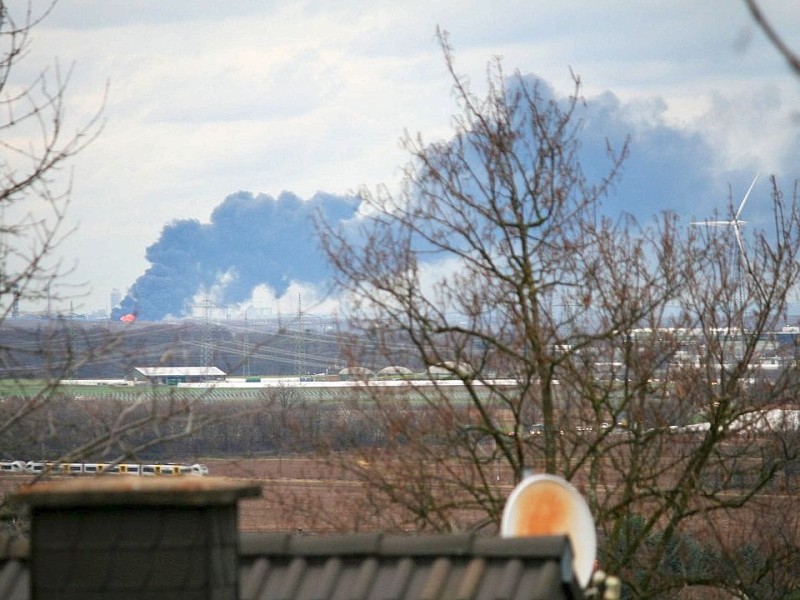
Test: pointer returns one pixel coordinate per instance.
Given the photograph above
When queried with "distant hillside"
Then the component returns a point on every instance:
(109, 349)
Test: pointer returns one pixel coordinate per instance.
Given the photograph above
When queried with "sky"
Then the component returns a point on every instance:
(210, 104)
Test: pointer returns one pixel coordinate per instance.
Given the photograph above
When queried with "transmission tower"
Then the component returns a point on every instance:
(206, 336)
(300, 342)
(246, 344)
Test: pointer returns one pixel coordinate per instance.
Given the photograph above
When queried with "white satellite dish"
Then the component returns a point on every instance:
(549, 505)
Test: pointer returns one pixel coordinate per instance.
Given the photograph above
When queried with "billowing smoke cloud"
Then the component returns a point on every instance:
(255, 241)
(250, 241)
(666, 168)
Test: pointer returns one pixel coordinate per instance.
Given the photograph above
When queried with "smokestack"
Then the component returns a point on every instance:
(126, 538)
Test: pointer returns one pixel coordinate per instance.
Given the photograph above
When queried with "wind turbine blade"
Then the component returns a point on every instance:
(746, 196)
(716, 223)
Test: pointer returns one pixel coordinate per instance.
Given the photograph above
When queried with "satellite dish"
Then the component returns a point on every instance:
(549, 505)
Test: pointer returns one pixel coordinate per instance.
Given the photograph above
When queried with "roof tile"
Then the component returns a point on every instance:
(379, 567)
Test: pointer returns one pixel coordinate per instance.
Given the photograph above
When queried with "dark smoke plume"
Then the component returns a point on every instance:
(254, 240)
(250, 241)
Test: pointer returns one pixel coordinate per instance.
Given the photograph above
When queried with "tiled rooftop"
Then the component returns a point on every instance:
(366, 566)
(137, 538)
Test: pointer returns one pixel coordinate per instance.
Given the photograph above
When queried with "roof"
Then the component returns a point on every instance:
(395, 370)
(181, 371)
(356, 371)
(118, 491)
(366, 566)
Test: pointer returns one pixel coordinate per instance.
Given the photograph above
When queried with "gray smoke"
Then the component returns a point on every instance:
(258, 240)
(251, 240)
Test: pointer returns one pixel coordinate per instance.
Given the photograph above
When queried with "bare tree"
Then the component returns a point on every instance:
(36, 149)
(34, 194)
(618, 355)
(790, 56)
(41, 418)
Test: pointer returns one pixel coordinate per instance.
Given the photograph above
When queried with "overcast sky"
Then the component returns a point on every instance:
(209, 98)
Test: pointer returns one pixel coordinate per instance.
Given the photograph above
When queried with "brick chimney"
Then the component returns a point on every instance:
(135, 537)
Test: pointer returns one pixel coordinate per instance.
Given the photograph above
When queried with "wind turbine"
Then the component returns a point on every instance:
(736, 223)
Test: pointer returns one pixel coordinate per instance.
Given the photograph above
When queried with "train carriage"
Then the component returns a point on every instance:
(34, 467)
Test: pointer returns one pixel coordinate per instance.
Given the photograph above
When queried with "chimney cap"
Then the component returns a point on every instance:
(122, 490)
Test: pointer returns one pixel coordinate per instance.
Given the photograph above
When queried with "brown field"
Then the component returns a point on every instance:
(310, 494)
(285, 482)
(304, 493)
(289, 485)
(298, 493)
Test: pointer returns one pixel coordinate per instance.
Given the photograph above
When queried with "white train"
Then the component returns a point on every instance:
(90, 468)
